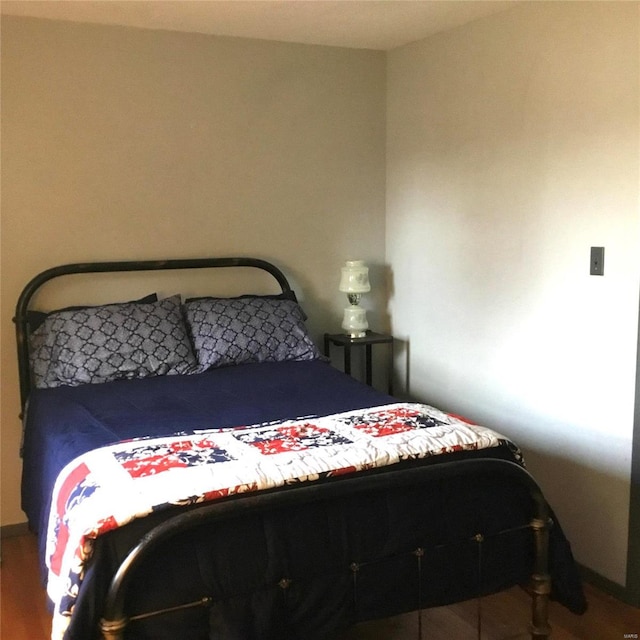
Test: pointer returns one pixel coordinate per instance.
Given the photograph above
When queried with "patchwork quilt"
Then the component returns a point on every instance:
(111, 486)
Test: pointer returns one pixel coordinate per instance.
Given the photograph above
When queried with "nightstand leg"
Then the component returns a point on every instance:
(347, 359)
(368, 365)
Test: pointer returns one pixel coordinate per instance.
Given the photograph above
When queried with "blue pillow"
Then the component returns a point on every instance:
(111, 342)
(229, 331)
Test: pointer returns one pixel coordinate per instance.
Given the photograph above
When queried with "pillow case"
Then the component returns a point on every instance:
(36, 318)
(228, 331)
(286, 295)
(111, 342)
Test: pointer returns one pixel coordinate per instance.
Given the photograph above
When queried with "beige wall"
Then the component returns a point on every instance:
(513, 147)
(129, 144)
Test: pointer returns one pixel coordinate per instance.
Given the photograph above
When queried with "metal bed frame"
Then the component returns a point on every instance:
(115, 619)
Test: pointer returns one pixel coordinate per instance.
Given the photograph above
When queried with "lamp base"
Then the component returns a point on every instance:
(354, 321)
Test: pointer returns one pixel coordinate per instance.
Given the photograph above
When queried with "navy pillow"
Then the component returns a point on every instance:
(229, 331)
(111, 342)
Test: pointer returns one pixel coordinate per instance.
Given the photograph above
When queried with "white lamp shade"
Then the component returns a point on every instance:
(355, 277)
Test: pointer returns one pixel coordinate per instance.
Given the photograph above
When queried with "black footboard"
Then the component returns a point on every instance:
(117, 617)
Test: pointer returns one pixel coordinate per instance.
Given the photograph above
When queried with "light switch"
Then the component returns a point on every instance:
(597, 261)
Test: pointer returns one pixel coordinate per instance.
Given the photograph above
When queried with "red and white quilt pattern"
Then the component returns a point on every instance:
(111, 486)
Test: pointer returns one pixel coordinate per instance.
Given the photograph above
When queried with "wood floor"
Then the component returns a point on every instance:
(24, 616)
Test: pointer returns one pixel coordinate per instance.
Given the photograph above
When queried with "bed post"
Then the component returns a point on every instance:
(540, 580)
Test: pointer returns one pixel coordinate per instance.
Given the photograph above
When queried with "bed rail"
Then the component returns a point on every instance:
(21, 320)
(115, 619)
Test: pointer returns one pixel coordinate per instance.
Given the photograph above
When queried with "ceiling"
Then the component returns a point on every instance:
(361, 24)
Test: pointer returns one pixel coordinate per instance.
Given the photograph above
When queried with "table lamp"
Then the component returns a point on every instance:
(354, 282)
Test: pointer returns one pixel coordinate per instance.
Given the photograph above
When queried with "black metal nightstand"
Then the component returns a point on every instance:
(347, 342)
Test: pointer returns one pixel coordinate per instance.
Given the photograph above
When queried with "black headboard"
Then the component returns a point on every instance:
(21, 316)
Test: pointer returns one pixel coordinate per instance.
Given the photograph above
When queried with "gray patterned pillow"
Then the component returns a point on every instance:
(110, 342)
(36, 318)
(248, 329)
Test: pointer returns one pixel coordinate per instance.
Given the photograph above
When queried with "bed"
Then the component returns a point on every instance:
(195, 468)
